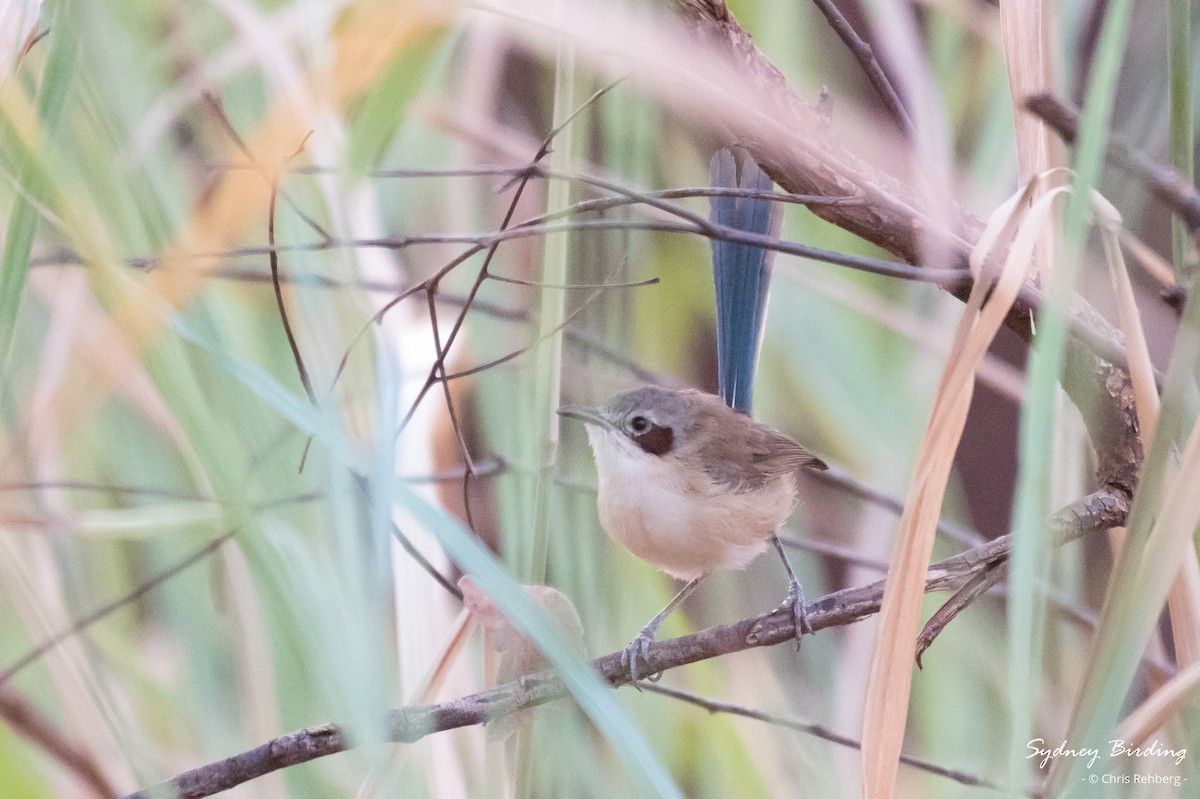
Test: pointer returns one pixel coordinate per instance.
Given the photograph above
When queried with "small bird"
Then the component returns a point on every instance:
(690, 485)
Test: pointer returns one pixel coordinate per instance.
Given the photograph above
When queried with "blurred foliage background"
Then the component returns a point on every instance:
(152, 404)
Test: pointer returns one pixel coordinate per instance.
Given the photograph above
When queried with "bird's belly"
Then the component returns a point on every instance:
(689, 528)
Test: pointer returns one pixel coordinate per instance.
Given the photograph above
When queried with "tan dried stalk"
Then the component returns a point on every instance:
(890, 682)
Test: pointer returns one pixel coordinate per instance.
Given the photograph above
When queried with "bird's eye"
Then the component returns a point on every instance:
(639, 424)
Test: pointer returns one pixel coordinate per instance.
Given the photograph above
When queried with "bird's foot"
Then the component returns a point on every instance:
(795, 602)
(637, 655)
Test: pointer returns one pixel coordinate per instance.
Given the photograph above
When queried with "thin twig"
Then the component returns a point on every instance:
(407, 545)
(490, 467)
(1166, 183)
(864, 54)
(217, 109)
(85, 621)
(949, 278)
(972, 589)
(852, 485)
(518, 352)
(815, 730)
(463, 450)
(280, 305)
(628, 284)
(28, 721)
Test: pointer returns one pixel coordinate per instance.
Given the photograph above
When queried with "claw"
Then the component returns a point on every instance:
(638, 651)
(795, 601)
(636, 655)
(795, 597)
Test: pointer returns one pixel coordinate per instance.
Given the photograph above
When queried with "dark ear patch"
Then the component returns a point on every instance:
(658, 440)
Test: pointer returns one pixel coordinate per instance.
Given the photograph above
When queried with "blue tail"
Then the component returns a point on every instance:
(742, 274)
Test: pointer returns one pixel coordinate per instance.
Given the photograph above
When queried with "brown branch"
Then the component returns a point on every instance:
(802, 155)
(988, 564)
(975, 587)
(1098, 511)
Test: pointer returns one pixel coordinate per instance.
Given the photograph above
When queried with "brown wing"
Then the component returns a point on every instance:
(747, 454)
(776, 454)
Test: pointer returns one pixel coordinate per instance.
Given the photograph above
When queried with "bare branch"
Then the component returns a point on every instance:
(1097, 511)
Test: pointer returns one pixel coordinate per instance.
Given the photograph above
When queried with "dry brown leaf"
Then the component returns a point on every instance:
(889, 685)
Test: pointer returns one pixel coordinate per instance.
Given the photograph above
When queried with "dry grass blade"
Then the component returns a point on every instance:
(1183, 502)
(1183, 604)
(1141, 370)
(1171, 533)
(1026, 36)
(1184, 600)
(889, 685)
(1131, 611)
(1154, 264)
(1160, 707)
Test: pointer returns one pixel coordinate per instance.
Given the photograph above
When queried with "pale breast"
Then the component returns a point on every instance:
(679, 519)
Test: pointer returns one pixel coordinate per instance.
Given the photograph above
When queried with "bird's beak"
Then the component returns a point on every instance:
(585, 414)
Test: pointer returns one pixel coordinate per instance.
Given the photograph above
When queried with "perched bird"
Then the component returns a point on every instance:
(688, 484)
(687, 480)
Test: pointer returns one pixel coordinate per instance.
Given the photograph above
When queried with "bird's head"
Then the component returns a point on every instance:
(651, 419)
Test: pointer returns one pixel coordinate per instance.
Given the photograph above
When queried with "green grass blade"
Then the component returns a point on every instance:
(1030, 558)
(18, 241)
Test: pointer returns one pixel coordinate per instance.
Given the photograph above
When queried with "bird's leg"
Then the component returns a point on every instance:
(795, 597)
(638, 650)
